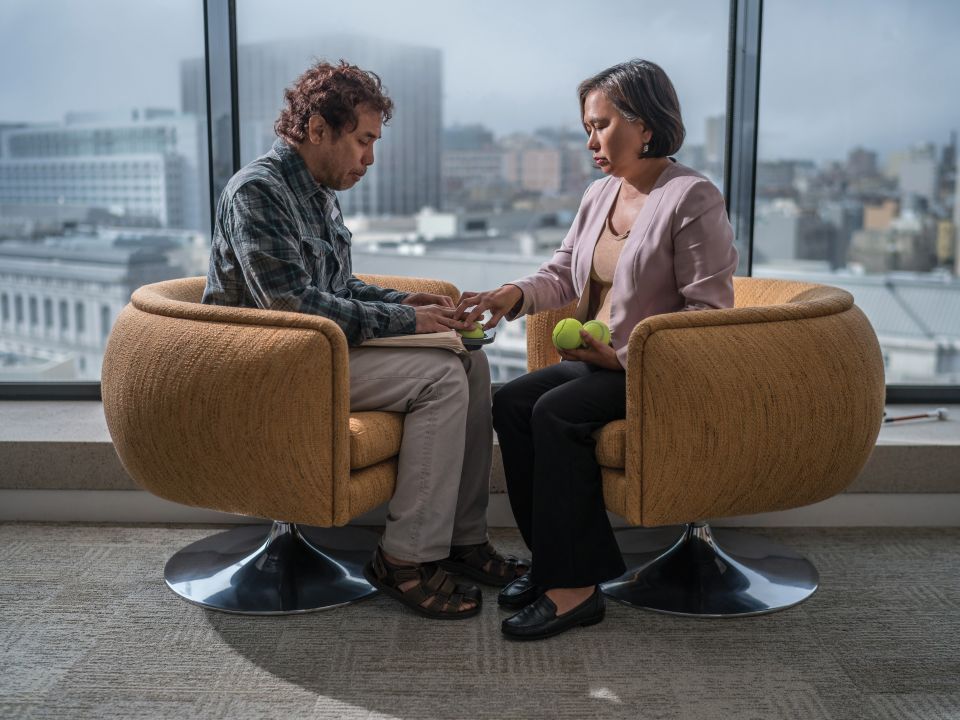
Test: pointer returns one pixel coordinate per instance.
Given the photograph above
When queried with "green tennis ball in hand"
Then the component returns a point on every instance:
(476, 332)
(599, 330)
(566, 335)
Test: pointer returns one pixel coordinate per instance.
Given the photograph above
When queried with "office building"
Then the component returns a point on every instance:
(406, 174)
(785, 231)
(917, 175)
(146, 164)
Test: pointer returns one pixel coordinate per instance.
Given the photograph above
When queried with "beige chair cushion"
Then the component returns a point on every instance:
(372, 486)
(374, 437)
(612, 444)
(615, 491)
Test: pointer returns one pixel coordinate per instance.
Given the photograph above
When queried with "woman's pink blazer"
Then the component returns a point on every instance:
(679, 255)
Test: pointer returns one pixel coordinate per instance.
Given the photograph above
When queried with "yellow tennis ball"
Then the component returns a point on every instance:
(566, 335)
(599, 330)
(476, 332)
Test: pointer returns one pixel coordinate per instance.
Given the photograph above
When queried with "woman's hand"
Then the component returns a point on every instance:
(420, 299)
(499, 302)
(595, 353)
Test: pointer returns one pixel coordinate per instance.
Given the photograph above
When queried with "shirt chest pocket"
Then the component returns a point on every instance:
(318, 258)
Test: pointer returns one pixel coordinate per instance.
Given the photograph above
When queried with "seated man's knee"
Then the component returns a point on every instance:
(452, 374)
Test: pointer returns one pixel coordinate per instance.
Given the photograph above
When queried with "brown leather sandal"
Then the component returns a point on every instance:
(470, 560)
(434, 584)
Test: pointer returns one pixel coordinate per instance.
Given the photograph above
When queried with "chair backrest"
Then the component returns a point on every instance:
(769, 405)
(235, 409)
(413, 284)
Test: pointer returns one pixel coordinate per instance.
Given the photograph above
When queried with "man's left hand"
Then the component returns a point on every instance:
(420, 299)
(595, 353)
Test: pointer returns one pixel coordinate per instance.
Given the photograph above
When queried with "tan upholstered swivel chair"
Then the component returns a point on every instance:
(247, 411)
(770, 405)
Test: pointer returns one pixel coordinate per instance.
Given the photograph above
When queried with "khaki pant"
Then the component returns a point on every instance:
(443, 476)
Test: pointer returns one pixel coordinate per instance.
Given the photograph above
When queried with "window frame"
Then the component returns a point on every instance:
(740, 167)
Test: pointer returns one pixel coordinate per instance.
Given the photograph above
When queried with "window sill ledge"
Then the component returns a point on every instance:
(65, 445)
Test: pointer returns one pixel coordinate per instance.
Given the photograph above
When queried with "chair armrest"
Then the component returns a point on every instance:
(412, 285)
(747, 410)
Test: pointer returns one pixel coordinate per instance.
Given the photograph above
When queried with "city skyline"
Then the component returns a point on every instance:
(689, 39)
(463, 176)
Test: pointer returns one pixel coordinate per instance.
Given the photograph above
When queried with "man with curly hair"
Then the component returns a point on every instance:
(279, 243)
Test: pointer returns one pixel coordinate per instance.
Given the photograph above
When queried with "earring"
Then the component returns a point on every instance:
(646, 148)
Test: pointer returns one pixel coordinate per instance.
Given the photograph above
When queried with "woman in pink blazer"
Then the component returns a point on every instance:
(651, 237)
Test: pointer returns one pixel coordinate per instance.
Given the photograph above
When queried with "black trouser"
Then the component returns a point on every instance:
(545, 422)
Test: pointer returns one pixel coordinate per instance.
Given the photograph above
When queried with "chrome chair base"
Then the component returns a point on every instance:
(710, 573)
(283, 569)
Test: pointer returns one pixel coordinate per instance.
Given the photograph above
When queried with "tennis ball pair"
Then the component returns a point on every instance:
(476, 332)
(566, 334)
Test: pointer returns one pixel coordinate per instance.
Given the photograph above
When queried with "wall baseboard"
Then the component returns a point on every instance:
(136, 506)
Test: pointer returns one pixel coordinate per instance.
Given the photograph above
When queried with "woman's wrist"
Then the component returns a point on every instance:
(516, 304)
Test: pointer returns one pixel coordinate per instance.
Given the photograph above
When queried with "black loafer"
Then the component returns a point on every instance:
(539, 619)
(519, 593)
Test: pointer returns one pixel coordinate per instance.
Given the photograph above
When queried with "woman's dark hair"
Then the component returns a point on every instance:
(641, 90)
(333, 92)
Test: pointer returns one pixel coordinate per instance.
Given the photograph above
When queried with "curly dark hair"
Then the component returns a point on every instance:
(333, 92)
(641, 90)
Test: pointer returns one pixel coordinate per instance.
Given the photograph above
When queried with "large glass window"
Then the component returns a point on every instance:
(480, 171)
(103, 168)
(857, 172)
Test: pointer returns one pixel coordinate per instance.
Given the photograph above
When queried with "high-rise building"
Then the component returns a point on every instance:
(467, 137)
(918, 174)
(862, 162)
(778, 178)
(535, 169)
(406, 174)
(880, 216)
(956, 220)
(8, 126)
(713, 149)
(471, 167)
(785, 232)
(147, 164)
(908, 244)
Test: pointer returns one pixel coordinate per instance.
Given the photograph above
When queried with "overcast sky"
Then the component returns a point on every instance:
(879, 73)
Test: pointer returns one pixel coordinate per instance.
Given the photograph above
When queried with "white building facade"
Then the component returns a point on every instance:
(147, 164)
(59, 297)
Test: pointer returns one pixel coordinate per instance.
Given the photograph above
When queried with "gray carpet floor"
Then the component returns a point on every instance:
(89, 630)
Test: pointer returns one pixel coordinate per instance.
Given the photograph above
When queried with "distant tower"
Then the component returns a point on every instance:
(861, 162)
(406, 174)
(715, 139)
(956, 218)
(918, 174)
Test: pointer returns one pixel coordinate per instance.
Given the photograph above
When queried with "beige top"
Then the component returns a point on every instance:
(605, 258)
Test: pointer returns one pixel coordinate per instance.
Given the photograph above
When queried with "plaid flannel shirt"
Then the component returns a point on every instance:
(279, 243)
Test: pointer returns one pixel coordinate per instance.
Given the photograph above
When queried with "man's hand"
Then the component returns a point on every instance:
(420, 299)
(595, 353)
(498, 302)
(437, 318)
